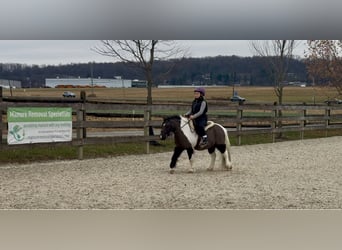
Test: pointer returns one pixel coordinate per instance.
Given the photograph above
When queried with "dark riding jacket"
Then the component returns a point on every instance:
(199, 110)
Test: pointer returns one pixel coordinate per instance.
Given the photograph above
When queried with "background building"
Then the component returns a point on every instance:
(10, 83)
(139, 83)
(117, 82)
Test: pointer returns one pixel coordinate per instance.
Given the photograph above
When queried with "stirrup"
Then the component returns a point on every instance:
(203, 142)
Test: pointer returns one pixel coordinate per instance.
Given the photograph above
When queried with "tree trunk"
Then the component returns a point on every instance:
(280, 112)
(149, 87)
(149, 102)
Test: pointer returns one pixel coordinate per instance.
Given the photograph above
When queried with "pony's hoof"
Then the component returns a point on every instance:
(210, 169)
(172, 171)
(191, 171)
(228, 168)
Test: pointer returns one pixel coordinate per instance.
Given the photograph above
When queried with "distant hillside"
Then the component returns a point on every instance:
(220, 70)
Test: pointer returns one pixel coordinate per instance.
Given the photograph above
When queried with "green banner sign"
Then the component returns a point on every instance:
(37, 125)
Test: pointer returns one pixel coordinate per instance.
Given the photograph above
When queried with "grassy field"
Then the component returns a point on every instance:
(309, 95)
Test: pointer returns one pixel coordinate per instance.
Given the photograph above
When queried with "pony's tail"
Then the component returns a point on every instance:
(227, 141)
(227, 144)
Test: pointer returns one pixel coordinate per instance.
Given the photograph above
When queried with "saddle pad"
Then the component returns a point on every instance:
(209, 125)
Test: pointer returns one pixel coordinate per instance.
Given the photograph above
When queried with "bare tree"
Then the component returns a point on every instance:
(324, 63)
(10, 86)
(279, 53)
(142, 54)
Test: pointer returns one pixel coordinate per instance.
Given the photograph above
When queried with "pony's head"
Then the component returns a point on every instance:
(169, 125)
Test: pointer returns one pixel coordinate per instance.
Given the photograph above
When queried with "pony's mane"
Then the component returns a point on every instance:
(173, 117)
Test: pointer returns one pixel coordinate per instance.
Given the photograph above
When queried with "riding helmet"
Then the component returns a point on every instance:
(200, 90)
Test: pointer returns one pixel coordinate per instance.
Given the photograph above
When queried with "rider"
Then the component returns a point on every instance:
(198, 113)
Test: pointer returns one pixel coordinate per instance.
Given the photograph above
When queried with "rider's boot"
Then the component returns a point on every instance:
(204, 141)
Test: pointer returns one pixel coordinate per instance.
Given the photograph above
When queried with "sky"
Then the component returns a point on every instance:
(62, 32)
(55, 52)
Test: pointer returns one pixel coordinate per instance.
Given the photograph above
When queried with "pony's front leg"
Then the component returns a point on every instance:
(212, 153)
(190, 152)
(176, 153)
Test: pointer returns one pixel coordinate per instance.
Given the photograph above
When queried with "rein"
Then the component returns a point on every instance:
(185, 124)
(188, 123)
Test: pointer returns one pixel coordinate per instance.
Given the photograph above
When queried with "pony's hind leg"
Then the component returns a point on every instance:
(176, 153)
(212, 153)
(226, 163)
(190, 152)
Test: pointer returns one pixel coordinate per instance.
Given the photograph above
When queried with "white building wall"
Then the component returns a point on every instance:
(109, 83)
(10, 83)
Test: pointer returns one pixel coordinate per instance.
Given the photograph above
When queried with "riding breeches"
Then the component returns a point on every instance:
(199, 127)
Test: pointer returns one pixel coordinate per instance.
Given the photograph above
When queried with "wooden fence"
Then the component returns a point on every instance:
(239, 120)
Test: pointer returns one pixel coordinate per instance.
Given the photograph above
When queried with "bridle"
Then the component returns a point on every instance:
(186, 123)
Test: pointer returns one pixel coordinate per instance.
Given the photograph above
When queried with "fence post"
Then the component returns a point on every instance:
(239, 124)
(302, 124)
(83, 100)
(146, 128)
(79, 116)
(0, 116)
(327, 121)
(1, 127)
(274, 122)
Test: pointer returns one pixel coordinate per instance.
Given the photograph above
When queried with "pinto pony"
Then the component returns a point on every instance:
(186, 139)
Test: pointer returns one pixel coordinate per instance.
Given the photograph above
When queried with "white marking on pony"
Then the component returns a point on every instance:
(188, 132)
(212, 161)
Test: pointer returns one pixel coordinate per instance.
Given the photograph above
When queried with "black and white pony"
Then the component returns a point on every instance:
(187, 139)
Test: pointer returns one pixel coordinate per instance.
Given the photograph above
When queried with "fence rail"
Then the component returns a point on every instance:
(239, 120)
